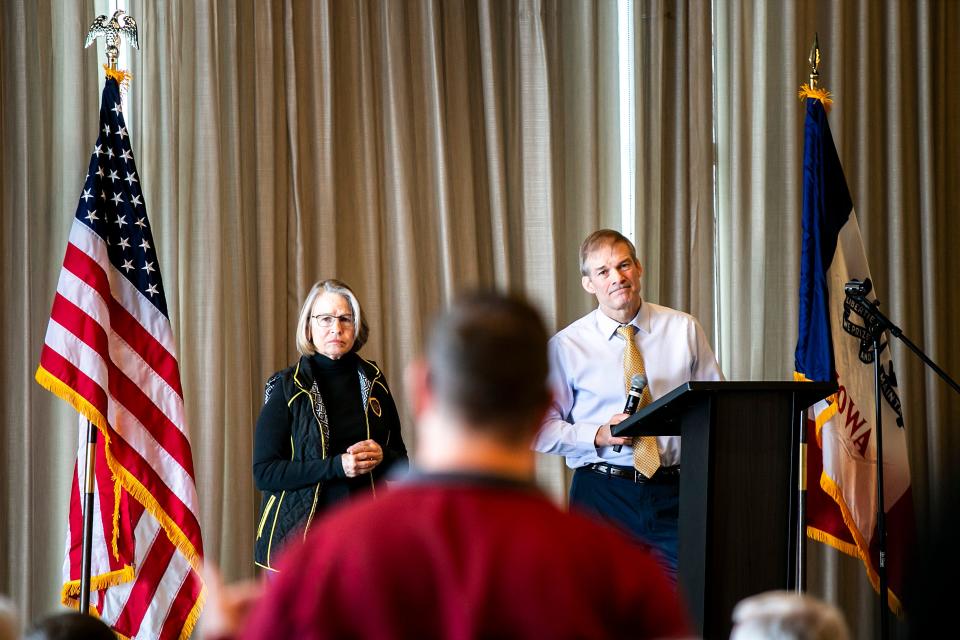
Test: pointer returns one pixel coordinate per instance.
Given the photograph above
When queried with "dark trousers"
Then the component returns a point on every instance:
(647, 512)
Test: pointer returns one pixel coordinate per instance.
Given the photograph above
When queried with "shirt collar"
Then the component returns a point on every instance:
(608, 326)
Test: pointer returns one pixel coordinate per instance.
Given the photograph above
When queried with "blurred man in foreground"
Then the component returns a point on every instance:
(467, 546)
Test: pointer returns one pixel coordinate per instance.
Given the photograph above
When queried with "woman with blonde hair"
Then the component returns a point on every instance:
(329, 428)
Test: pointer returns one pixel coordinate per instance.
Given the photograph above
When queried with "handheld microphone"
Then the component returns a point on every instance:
(637, 384)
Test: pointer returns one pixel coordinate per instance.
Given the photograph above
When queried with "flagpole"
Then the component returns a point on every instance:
(881, 516)
(801, 557)
(111, 29)
(88, 496)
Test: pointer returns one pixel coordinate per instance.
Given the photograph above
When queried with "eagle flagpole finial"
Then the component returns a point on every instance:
(112, 29)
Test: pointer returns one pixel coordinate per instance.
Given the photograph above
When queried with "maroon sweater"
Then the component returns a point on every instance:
(466, 558)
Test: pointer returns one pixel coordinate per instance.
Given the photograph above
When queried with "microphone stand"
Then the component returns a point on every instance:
(876, 323)
(881, 512)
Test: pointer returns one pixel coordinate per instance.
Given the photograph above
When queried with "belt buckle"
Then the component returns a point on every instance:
(638, 477)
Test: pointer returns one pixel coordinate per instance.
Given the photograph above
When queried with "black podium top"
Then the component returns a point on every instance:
(659, 418)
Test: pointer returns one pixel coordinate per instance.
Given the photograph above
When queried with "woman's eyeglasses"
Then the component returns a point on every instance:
(325, 321)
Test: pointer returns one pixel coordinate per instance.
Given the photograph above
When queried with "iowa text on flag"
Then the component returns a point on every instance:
(834, 343)
(109, 352)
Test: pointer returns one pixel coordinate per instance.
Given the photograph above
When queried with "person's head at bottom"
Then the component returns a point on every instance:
(69, 625)
(786, 615)
(481, 388)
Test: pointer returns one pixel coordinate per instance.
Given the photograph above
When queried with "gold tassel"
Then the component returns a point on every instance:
(121, 76)
(818, 93)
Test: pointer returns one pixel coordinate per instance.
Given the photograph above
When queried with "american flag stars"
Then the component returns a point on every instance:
(120, 219)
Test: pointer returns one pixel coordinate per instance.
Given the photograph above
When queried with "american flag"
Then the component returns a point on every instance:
(109, 352)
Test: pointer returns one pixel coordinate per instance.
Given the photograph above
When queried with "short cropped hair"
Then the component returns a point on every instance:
(487, 357)
(603, 238)
(360, 328)
(786, 615)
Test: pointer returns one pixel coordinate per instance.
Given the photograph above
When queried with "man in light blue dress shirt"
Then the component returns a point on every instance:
(587, 376)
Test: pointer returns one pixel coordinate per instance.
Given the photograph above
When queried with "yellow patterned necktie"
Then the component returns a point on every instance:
(646, 455)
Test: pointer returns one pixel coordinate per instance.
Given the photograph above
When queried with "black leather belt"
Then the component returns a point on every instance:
(664, 475)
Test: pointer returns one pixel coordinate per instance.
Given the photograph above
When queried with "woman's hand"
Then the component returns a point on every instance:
(361, 458)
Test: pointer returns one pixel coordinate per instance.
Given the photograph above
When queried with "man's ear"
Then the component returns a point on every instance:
(416, 382)
(588, 285)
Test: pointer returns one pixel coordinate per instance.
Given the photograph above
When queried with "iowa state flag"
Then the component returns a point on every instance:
(109, 352)
(834, 343)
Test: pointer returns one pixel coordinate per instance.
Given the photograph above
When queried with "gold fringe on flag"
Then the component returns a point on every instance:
(121, 76)
(817, 93)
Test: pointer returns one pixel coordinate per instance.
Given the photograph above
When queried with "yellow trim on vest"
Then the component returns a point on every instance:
(313, 509)
(273, 527)
(266, 512)
(366, 418)
(372, 364)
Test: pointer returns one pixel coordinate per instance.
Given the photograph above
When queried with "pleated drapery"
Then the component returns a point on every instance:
(416, 149)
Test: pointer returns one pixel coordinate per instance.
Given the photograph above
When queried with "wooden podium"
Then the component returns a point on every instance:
(739, 503)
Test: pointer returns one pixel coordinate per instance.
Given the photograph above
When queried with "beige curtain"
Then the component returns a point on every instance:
(48, 110)
(893, 68)
(675, 156)
(412, 149)
(417, 148)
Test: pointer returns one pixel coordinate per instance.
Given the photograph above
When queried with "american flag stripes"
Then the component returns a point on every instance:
(109, 352)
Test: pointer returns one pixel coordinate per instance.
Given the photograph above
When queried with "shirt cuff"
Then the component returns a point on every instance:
(338, 467)
(587, 435)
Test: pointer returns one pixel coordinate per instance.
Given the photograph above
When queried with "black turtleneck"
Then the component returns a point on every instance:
(339, 386)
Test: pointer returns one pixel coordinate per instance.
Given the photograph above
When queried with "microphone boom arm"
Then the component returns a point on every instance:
(878, 322)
